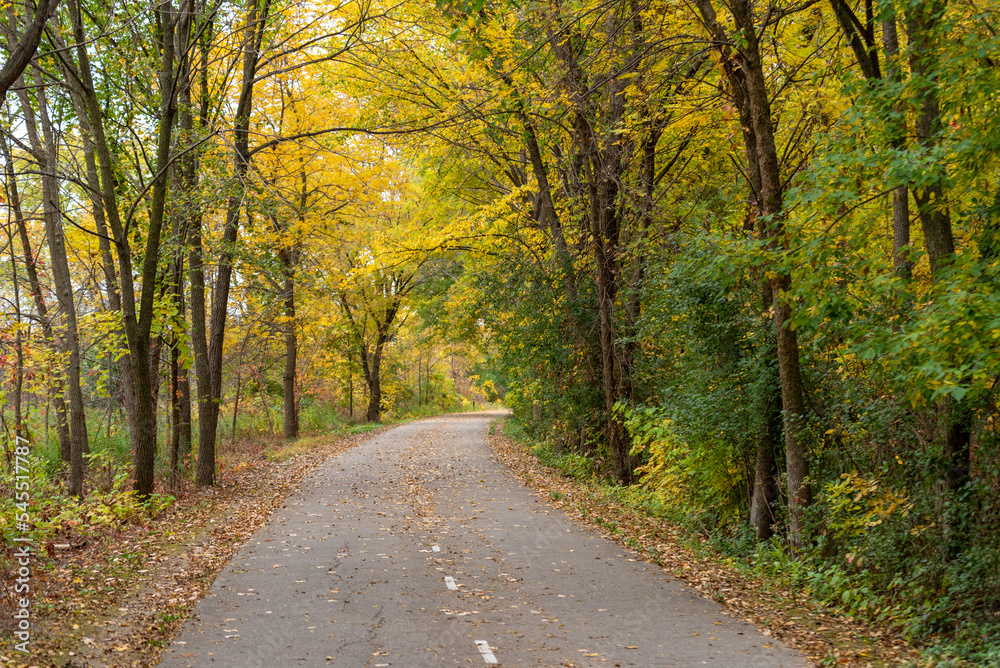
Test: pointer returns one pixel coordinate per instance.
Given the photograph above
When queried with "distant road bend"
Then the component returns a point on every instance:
(418, 548)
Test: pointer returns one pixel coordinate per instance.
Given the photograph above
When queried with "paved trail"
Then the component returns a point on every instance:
(417, 548)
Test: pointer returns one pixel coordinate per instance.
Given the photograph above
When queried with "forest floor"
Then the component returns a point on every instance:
(826, 638)
(118, 598)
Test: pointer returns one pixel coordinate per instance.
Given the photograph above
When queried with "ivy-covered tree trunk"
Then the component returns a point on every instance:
(765, 484)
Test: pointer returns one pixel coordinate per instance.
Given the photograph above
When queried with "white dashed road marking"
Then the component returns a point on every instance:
(484, 649)
(450, 581)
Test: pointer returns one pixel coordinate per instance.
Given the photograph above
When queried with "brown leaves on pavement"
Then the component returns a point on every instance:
(779, 613)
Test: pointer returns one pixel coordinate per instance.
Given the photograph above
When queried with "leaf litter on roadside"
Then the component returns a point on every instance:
(119, 597)
(782, 614)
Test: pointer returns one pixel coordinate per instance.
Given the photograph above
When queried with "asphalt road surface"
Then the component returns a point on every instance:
(418, 548)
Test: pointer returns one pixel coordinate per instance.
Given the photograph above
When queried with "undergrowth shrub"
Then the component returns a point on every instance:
(109, 501)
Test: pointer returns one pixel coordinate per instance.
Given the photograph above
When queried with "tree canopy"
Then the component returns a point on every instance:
(739, 257)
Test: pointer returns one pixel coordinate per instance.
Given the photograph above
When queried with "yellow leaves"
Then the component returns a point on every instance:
(857, 505)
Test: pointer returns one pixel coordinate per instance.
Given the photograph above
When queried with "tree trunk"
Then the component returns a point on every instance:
(371, 365)
(14, 201)
(138, 324)
(210, 393)
(747, 76)
(607, 288)
(371, 362)
(187, 219)
(45, 149)
(932, 208)
(772, 204)
(374, 413)
(765, 488)
(289, 256)
(23, 51)
(19, 432)
(155, 377)
(180, 390)
(67, 304)
(604, 164)
(921, 27)
(765, 491)
(78, 97)
(180, 415)
(205, 470)
(290, 407)
(145, 441)
(175, 411)
(861, 37)
(900, 194)
(793, 404)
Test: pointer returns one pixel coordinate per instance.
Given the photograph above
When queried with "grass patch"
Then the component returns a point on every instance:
(363, 427)
(284, 450)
